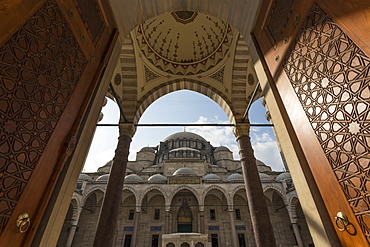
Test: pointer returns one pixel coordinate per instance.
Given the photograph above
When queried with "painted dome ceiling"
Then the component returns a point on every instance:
(184, 42)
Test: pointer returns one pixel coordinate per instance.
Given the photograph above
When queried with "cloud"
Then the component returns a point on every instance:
(266, 149)
(263, 142)
(97, 159)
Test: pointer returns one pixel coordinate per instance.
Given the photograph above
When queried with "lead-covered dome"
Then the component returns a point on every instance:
(283, 176)
(184, 135)
(85, 177)
(184, 171)
(235, 178)
(103, 178)
(264, 177)
(133, 178)
(157, 178)
(147, 149)
(222, 148)
(211, 178)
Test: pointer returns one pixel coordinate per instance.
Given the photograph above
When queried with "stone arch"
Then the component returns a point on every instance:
(183, 187)
(215, 187)
(292, 208)
(90, 192)
(155, 187)
(77, 199)
(76, 208)
(179, 84)
(275, 189)
(136, 194)
(234, 191)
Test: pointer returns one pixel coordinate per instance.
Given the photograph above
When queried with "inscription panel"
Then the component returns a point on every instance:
(331, 77)
(40, 66)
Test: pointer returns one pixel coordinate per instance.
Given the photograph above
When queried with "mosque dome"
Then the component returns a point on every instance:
(157, 178)
(147, 149)
(283, 176)
(235, 178)
(222, 148)
(184, 135)
(184, 172)
(85, 177)
(133, 178)
(264, 177)
(103, 178)
(211, 178)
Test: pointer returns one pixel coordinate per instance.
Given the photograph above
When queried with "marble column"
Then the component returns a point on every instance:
(167, 222)
(71, 235)
(136, 228)
(233, 230)
(262, 228)
(201, 225)
(112, 198)
(297, 235)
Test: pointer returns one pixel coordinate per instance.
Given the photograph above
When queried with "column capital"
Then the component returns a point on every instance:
(127, 129)
(241, 129)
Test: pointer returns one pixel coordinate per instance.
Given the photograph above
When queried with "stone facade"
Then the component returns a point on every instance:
(183, 186)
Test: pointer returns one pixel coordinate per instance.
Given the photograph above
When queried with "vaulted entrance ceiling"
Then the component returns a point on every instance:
(186, 50)
(184, 42)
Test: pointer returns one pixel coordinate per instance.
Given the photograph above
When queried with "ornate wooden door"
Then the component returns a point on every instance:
(51, 56)
(318, 53)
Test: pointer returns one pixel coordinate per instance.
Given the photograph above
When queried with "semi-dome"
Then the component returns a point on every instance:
(235, 178)
(222, 148)
(85, 177)
(184, 171)
(147, 149)
(157, 178)
(133, 178)
(184, 135)
(264, 176)
(283, 176)
(103, 178)
(211, 178)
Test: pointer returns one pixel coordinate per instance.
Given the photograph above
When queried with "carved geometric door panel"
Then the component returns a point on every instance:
(323, 79)
(331, 77)
(48, 67)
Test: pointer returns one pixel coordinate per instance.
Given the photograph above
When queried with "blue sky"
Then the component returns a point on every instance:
(183, 107)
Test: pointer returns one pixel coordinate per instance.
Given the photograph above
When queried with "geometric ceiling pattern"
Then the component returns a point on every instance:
(184, 43)
(331, 77)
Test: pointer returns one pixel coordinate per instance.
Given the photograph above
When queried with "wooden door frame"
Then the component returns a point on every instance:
(51, 225)
(354, 28)
(65, 136)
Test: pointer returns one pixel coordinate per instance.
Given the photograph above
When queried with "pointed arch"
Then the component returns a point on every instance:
(215, 187)
(155, 187)
(183, 187)
(179, 84)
